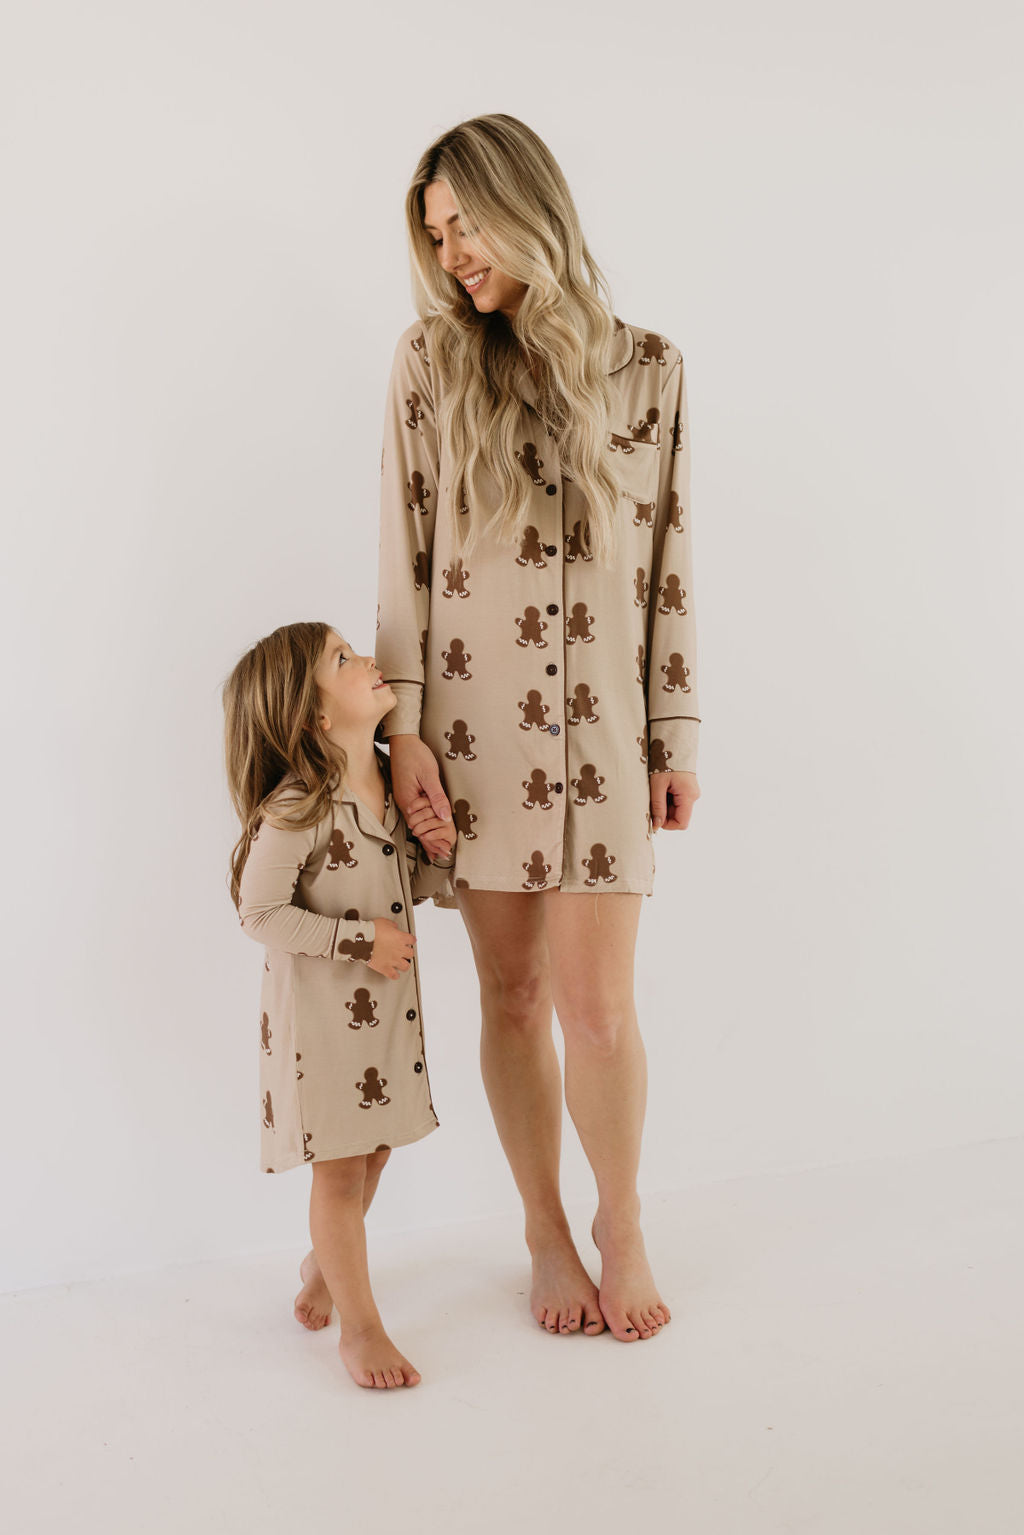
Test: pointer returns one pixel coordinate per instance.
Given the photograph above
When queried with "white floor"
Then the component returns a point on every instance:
(845, 1358)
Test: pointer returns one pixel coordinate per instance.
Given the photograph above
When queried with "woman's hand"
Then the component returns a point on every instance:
(415, 775)
(423, 824)
(392, 949)
(673, 796)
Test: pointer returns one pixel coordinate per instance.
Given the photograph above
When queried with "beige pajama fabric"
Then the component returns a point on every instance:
(342, 1063)
(547, 685)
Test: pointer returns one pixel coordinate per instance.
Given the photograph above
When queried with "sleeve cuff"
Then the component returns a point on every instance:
(404, 718)
(672, 745)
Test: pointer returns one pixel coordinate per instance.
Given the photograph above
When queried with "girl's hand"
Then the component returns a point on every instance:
(673, 796)
(422, 822)
(392, 949)
(415, 773)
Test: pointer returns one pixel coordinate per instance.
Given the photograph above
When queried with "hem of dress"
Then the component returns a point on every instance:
(623, 886)
(348, 1150)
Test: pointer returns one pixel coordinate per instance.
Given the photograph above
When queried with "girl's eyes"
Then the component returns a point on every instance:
(342, 658)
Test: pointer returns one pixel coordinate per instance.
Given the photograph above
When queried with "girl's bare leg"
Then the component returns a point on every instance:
(339, 1241)
(313, 1304)
(591, 943)
(524, 1089)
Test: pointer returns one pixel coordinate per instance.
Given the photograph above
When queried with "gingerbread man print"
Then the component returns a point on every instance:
(582, 706)
(671, 595)
(530, 463)
(415, 415)
(460, 742)
(675, 674)
(339, 851)
(463, 818)
(421, 571)
(456, 659)
(588, 785)
(372, 1088)
(643, 514)
(652, 350)
(599, 865)
(640, 588)
(646, 429)
(265, 1033)
(641, 676)
(658, 757)
(418, 491)
(536, 871)
(356, 948)
(533, 711)
(537, 790)
(531, 550)
(575, 545)
(363, 1009)
(578, 625)
(531, 629)
(268, 1111)
(675, 512)
(456, 579)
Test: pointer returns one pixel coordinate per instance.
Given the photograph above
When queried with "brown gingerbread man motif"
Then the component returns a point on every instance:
(464, 818)
(619, 444)
(363, 1009)
(460, 741)
(418, 491)
(298, 1073)
(640, 671)
(671, 595)
(531, 629)
(340, 852)
(677, 434)
(415, 415)
(652, 350)
(599, 865)
(456, 579)
(641, 741)
(537, 872)
(419, 345)
(658, 757)
(675, 674)
(575, 545)
(646, 429)
(268, 1111)
(578, 625)
(588, 785)
(640, 587)
(308, 1153)
(582, 705)
(531, 550)
(455, 659)
(372, 1088)
(675, 512)
(265, 1033)
(537, 790)
(531, 464)
(533, 711)
(356, 948)
(643, 514)
(421, 570)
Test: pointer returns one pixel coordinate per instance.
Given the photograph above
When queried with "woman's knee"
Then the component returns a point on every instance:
(519, 1000)
(599, 1026)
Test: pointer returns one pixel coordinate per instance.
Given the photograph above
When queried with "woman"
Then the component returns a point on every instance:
(537, 629)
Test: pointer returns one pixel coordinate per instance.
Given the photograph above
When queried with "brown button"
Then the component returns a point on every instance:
(411, 1014)
(418, 1066)
(387, 850)
(552, 490)
(552, 608)
(396, 905)
(559, 787)
(551, 669)
(550, 551)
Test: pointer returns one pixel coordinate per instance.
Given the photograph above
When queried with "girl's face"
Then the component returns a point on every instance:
(456, 253)
(353, 695)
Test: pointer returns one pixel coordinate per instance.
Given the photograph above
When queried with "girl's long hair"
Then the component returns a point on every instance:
(519, 213)
(272, 734)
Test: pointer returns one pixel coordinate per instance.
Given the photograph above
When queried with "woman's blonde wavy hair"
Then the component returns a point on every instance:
(519, 212)
(272, 734)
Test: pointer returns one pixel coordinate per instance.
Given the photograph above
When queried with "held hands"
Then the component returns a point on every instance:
(392, 949)
(673, 796)
(416, 776)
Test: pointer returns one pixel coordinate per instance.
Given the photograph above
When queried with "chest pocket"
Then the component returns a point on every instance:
(635, 466)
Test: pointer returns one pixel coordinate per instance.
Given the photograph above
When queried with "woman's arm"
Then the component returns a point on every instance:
(276, 859)
(673, 716)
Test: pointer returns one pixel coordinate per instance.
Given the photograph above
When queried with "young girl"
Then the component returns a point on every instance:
(325, 875)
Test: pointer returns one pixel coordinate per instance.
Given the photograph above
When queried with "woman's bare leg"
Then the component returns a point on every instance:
(591, 942)
(313, 1304)
(339, 1241)
(524, 1088)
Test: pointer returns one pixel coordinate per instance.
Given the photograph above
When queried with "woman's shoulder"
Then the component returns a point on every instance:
(414, 341)
(652, 348)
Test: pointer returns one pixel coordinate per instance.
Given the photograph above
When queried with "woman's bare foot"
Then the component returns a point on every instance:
(563, 1296)
(630, 1302)
(371, 1359)
(313, 1303)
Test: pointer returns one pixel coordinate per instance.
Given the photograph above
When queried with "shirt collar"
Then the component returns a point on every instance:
(620, 352)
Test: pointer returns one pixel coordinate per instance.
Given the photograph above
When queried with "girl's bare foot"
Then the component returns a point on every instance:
(313, 1303)
(563, 1296)
(371, 1359)
(630, 1302)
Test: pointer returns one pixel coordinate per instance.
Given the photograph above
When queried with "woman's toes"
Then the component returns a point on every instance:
(552, 1321)
(572, 1320)
(593, 1322)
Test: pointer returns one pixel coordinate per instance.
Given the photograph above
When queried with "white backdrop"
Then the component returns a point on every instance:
(203, 222)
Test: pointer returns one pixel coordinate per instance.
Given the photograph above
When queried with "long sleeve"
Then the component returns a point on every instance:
(673, 716)
(271, 873)
(408, 510)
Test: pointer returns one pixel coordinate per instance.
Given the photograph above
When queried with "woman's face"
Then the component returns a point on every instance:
(456, 253)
